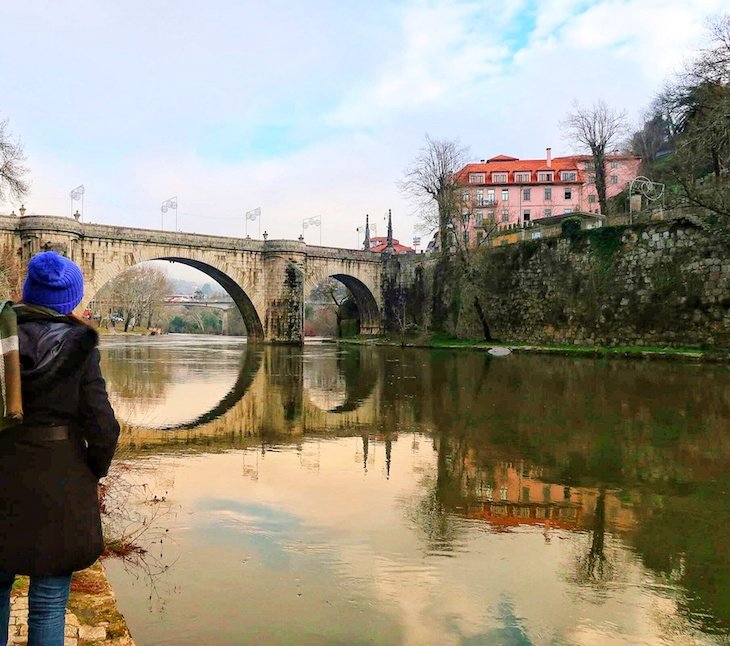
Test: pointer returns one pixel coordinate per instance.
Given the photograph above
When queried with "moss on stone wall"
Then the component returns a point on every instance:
(650, 284)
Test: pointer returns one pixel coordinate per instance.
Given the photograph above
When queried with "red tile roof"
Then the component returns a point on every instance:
(511, 165)
(381, 242)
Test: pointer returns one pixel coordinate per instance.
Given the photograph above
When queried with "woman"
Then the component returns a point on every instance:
(50, 524)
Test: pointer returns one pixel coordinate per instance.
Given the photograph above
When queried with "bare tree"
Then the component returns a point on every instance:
(467, 220)
(12, 171)
(332, 290)
(697, 104)
(430, 181)
(651, 139)
(598, 130)
(11, 273)
(713, 61)
(470, 217)
(136, 294)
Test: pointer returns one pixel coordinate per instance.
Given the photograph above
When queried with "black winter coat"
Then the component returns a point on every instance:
(49, 511)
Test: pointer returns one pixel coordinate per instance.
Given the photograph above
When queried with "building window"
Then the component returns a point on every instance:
(526, 194)
(568, 175)
(614, 164)
(526, 215)
(505, 195)
(591, 199)
(479, 216)
(548, 213)
(548, 194)
(567, 209)
(465, 196)
(614, 179)
(480, 196)
(466, 238)
(490, 196)
(544, 177)
(499, 178)
(568, 193)
(505, 215)
(476, 178)
(480, 237)
(490, 216)
(522, 177)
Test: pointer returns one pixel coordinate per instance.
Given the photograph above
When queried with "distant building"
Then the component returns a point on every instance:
(378, 244)
(508, 192)
(387, 244)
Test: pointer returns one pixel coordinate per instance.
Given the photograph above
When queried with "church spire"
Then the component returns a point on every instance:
(366, 242)
(389, 242)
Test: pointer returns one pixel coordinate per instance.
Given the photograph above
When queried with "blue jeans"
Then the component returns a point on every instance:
(47, 601)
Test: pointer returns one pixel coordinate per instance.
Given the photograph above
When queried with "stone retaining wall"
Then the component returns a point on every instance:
(661, 283)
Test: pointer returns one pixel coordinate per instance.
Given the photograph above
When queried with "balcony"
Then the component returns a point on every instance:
(486, 201)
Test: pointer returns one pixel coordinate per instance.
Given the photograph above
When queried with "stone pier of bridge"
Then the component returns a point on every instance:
(269, 280)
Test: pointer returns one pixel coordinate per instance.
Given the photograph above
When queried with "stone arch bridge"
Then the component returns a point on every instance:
(268, 280)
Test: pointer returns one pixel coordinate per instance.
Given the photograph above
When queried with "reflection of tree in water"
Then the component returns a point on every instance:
(683, 534)
(138, 371)
(434, 513)
(594, 565)
(643, 445)
(324, 381)
(340, 382)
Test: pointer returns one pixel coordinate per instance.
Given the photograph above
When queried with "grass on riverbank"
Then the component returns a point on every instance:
(440, 341)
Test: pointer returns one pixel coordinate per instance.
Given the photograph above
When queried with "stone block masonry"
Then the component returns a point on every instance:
(91, 618)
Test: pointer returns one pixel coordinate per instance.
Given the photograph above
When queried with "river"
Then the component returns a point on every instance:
(362, 495)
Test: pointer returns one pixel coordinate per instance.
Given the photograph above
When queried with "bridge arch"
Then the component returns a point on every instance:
(362, 294)
(366, 303)
(251, 318)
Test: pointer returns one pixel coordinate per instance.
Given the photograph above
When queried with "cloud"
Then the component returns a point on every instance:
(308, 110)
(442, 50)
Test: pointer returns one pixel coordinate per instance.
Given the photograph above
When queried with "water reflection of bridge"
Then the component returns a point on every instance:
(589, 450)
(284, 392)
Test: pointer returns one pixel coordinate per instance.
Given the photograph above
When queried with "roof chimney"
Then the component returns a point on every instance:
(549, 157)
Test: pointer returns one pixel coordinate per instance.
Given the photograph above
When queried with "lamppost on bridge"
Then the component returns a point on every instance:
(315, 221)
(253, 214)
(165, 207)
(75, 195)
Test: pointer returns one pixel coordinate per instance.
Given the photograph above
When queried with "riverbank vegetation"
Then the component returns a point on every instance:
(444, 341)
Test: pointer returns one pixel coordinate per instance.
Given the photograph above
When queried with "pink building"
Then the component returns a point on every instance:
(511, 192)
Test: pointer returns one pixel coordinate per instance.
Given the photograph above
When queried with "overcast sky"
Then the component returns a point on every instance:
(306, 108)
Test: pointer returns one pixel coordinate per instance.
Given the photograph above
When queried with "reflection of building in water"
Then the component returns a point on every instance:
(509, 495)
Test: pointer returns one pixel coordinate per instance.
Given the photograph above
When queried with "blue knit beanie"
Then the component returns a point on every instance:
(53, 281)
